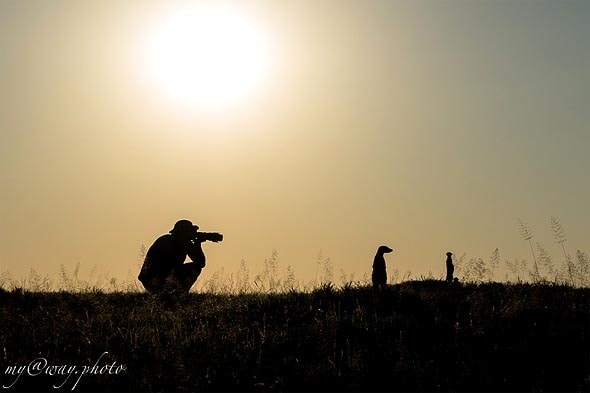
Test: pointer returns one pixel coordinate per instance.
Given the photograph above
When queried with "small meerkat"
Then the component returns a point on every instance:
(379, 275)
(450, 267)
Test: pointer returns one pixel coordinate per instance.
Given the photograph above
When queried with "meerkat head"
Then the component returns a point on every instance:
(384, 250)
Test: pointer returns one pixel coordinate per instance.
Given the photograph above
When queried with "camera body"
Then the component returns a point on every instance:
(209, 236)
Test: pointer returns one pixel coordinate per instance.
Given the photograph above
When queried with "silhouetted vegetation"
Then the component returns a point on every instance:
(268, 331)
(422, 335)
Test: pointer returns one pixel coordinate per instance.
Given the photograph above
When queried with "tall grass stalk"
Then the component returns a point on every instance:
(527, 234)
(560, 237)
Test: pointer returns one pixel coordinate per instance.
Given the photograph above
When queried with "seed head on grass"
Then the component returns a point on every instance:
(525, 230)
(527, 234)
(558, 232)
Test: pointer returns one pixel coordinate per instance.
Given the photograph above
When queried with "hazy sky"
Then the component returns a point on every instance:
(428, 126)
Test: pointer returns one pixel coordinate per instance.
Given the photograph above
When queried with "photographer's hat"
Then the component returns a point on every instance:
(184, 226)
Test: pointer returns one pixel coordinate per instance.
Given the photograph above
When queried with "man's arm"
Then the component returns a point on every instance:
(196, 254)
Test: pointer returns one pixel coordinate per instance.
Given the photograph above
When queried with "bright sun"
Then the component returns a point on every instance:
(207, 57)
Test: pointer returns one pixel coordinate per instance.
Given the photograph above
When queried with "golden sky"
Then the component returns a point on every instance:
(428, 126)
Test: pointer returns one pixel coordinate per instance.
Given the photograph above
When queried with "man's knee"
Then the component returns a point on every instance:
(188, 275)
(191, 271)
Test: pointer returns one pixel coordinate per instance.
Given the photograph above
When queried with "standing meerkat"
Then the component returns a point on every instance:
(379, 275)
(450, 267)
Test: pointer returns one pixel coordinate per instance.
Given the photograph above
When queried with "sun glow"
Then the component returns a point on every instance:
(207, 57)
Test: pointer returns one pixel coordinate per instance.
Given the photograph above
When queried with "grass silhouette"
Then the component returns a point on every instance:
(417, 335)
(270, 332)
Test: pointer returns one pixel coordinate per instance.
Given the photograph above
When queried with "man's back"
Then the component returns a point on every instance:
(163, 256)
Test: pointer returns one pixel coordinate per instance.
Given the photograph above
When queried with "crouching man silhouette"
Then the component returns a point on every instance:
(164, 270)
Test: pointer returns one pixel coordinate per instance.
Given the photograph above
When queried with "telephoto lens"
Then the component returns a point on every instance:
(209, 236)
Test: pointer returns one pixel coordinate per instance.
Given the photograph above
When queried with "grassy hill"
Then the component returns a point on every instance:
(420, 335)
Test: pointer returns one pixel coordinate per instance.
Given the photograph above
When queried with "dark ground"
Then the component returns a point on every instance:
(415, 336)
